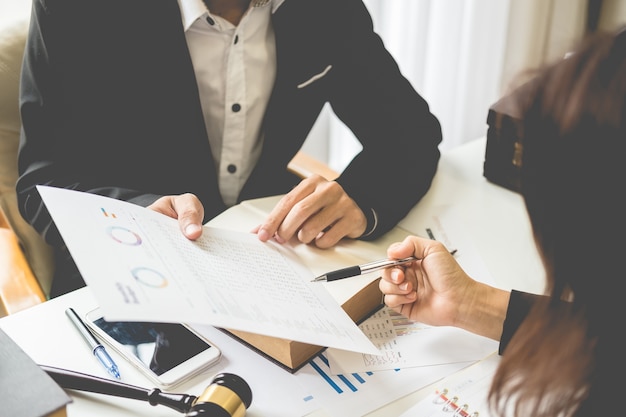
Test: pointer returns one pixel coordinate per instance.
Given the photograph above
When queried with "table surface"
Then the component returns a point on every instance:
(494, 217)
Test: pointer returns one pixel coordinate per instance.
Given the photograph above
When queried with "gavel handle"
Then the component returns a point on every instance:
(85, 382)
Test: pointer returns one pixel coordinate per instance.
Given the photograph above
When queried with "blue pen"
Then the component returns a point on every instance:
(96, 347)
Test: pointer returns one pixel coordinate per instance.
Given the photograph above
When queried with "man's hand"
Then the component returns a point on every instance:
(187, 208)
(317, 211)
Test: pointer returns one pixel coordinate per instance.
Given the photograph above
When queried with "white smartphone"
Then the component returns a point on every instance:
(168, 353)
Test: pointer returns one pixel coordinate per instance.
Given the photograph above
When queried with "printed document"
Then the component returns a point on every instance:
(141, 267)
(461, 394)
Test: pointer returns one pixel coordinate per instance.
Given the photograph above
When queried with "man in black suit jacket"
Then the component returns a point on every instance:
(111, 104)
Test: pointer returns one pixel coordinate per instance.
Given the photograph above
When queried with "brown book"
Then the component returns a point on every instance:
(25, 388)
(292, 355)
(358, 296)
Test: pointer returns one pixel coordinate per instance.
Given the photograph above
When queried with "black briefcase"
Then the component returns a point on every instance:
(503, 152)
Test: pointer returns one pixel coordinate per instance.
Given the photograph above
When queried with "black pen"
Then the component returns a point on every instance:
(353, 271)
(96, 347)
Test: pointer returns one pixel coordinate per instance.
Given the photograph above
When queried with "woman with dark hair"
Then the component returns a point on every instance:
(562, 352)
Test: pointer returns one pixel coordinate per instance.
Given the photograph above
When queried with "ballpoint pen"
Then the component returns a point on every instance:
(353, 271)
(96, 347)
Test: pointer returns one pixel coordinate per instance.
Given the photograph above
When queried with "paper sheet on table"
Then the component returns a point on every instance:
(141, 267)
(461, 394)
(278, 393)
(404, 343)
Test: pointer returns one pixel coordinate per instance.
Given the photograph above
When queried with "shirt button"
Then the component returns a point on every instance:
(236, 107)
(232, 168)
(210, 21)
(236, 39)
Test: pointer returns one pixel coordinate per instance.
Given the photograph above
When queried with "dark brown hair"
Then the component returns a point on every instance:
(565, 357)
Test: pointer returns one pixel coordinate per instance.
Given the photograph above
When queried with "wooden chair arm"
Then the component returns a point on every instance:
(19, 288)
(304, 165)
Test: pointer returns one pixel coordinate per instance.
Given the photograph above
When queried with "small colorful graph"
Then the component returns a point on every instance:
(149, 277)
(107, 214)
(124, 235)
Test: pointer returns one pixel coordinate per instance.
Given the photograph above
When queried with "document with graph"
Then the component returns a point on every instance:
(463, 394)
(404, 344)
(141, 267)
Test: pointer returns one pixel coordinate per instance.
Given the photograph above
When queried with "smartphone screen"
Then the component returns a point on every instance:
(159, 346)
(171, 351)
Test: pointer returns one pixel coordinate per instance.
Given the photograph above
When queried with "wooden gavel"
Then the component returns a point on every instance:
(228, 395)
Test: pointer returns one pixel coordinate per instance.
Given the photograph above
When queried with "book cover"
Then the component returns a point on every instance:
(26, 389)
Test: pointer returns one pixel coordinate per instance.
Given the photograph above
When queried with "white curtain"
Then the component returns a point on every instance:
(450, 50)
(462, 55)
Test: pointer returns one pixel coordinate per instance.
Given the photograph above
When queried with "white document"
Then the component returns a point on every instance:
(141, 267)
(359, 393)
(277, 393)
(404, 343)
(462, 394)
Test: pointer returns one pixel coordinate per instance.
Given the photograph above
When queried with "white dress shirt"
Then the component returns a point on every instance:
(235, 69)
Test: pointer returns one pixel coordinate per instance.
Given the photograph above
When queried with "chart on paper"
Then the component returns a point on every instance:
(404, 343)
(359, 393)
(460, 395)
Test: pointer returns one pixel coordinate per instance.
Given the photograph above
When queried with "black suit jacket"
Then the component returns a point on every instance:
(110, 105)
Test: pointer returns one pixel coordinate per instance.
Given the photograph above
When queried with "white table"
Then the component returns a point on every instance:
(494, 217)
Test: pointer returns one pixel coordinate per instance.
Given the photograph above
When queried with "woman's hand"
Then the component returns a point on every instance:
(436, 291)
